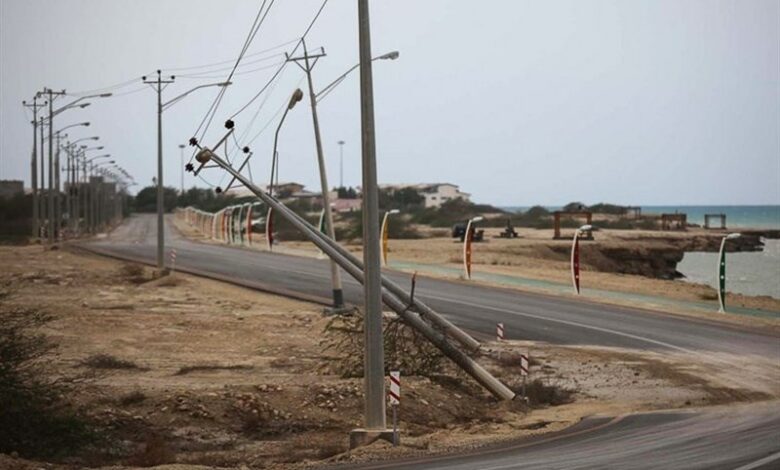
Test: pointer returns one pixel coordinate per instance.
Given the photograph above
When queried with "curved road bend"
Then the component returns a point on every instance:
(750, 432)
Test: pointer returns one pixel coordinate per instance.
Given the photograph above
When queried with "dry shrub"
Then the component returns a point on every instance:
(107, 361)
(132, 398)
(35, 421)
(405, 349)
(211, 367)
(709, 295)
(154, 452)
(134, 273)
(540, 393)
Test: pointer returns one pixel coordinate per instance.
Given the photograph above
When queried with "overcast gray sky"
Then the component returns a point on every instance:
(518, 102)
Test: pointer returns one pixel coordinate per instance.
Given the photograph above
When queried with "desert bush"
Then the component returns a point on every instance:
(154, 452)
(132, 398)
(132, 272)
(35, 421)
(396, 229)
(540, 393)
(606, 208)
(211, 367)
(405, 349)
(107, 361)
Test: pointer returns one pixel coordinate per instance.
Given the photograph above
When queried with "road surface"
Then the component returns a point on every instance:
(738, 437)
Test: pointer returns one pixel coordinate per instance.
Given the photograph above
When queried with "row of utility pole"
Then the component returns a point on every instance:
(375, 422)
(90, 193)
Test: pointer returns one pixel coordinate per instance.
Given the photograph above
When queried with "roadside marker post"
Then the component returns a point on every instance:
(395, 401)
(173, 259)
(524, 371)
(499, 331)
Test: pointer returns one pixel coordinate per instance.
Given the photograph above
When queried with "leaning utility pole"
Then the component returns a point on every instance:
(158, 87)
(335, 273)
(372, 287)
(34, 167)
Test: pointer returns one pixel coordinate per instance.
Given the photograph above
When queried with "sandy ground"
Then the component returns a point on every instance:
(223, 376)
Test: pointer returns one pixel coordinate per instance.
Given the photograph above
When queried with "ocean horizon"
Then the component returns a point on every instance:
(746, 216)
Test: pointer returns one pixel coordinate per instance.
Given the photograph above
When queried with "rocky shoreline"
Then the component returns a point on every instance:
(657, 257)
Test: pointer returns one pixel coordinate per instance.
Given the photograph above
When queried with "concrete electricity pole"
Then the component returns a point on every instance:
(52, 229)
(372, 287)
(158, 85)
(181, 165)
(335, 273)
(34, 166)
(42, 183)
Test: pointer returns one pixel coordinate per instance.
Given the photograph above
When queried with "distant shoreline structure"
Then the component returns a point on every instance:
(752, 216)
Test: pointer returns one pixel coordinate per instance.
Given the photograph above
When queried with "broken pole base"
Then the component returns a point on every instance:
(361, 437)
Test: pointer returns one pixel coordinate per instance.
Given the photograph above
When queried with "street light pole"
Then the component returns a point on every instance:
(575, 257)
(51, 226)
(375, 420)
(341, 163)
(34, 168)
(157, 85)
(468, 238)
(335, 273)
(384, 233)
(42, 185)
(181, 165)
(722, 271)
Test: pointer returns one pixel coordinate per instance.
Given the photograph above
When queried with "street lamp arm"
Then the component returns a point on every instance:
(76, 101)
(84, 138)
(390, 55)
(174, 100)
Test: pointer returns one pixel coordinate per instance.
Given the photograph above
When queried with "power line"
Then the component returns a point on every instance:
(230, 61)
(244, 72)
(253, 31)
(314, 20)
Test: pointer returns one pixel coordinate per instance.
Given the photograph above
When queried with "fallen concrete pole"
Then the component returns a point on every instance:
(471, 367)
(448, 327)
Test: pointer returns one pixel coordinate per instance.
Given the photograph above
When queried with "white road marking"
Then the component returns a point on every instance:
(565, 322)
(759, 463)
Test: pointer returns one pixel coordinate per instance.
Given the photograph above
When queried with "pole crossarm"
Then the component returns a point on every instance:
(439, 331)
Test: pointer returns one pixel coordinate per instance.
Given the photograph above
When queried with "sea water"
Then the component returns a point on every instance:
(749, 273)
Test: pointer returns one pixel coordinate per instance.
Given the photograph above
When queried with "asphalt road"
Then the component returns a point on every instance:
(729, 438)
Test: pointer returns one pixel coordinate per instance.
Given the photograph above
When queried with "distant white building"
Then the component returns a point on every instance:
(435, 194)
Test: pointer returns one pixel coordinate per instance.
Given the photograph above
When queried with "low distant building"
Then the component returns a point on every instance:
(10, 188)
(435, 194)
(346, 205)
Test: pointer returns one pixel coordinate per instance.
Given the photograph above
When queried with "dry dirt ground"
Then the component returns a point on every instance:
(189, 371)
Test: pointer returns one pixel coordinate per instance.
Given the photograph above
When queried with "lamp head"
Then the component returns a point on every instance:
(585, 228)
(732, 236)
(394, 211)
(390, 55)
(478, 218)
(84, 105)
(296, 97)
(105, 95)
